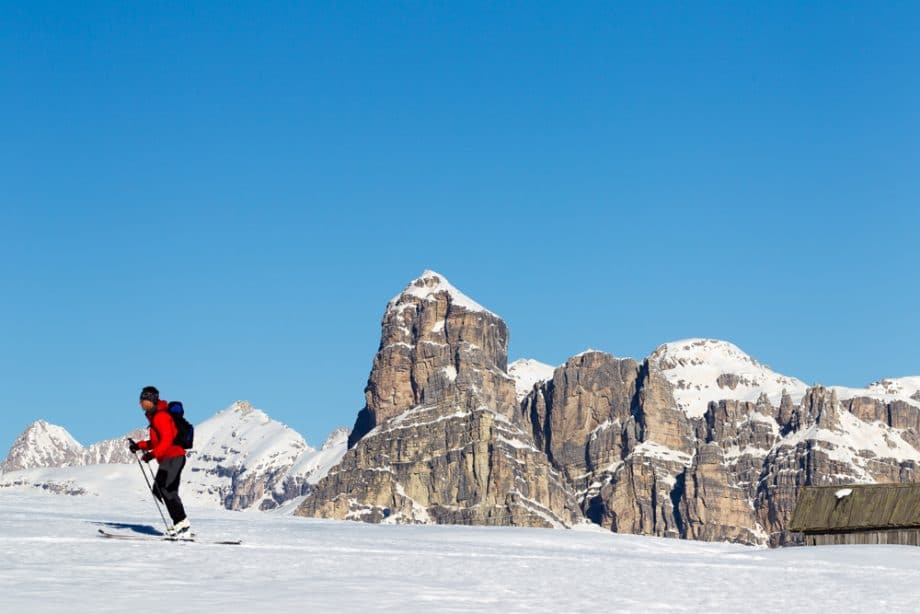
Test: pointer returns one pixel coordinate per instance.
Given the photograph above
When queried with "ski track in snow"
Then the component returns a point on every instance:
(52, 561)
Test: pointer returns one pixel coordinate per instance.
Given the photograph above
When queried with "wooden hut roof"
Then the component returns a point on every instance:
(857, 507)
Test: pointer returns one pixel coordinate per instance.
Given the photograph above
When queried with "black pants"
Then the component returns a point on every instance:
(166, 488)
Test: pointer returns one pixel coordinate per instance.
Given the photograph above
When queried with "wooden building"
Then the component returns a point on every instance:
(858, 514)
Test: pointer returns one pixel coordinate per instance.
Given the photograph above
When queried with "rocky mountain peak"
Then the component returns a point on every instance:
(440, 437)
(436, 345)
(43, 445)
(429, 286)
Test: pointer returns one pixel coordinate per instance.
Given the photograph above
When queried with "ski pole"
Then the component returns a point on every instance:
(153, 477)
(150, 487)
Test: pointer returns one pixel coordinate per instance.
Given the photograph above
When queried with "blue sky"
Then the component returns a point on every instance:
(220, 201)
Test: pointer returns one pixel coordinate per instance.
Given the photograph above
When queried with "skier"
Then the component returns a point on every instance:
(170, 457)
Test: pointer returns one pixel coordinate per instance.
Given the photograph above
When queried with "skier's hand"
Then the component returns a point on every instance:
(147, 457)
(132, 445)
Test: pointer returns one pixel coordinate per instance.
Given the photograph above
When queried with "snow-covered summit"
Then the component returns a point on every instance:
(430, 283)
(242, 459)
(246, 459)
(526, 372)
(43, 445)
(242, 434)
(704, 370)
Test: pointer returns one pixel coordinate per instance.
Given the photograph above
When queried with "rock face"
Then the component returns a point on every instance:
(577, 417)
(448, 465)
(437, 345)
(698, 441)
(440, 438)
(736, 473)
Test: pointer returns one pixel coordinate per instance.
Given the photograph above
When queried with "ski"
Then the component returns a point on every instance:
(167, 538)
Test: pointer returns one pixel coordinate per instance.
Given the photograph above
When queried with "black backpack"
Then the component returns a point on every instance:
(185, 432)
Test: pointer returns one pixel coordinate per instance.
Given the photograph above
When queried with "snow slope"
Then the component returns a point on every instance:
(704, 370)
(856, 444)
(51, 561)
(526, 372)
(430, 283)
(905, 389)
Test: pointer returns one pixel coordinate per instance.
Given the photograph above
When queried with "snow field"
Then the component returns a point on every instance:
(52, 561)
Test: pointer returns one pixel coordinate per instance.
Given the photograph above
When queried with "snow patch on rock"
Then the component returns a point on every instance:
(526, 373)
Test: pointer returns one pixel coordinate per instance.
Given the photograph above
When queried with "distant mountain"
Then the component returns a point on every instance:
(247, 460)
(112, 450)
(43, 445)
(242, 458)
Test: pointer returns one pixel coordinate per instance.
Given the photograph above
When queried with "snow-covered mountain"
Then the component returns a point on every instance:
(245, 459)
(48, 445)
(242, 459)
(43, 445)
(704, 370)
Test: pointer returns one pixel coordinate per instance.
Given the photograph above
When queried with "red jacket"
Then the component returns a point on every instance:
(162, 434)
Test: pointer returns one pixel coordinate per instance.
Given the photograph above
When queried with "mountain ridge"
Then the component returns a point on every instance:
(697, 440)
(242, 459)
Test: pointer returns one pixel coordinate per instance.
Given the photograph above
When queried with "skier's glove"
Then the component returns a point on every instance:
(147, 457)
(132, 445)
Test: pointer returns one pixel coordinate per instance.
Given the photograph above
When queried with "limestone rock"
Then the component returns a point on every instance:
(577, 417)
(443, 464)
(436, 344)
(440, 437)
(712, 507)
